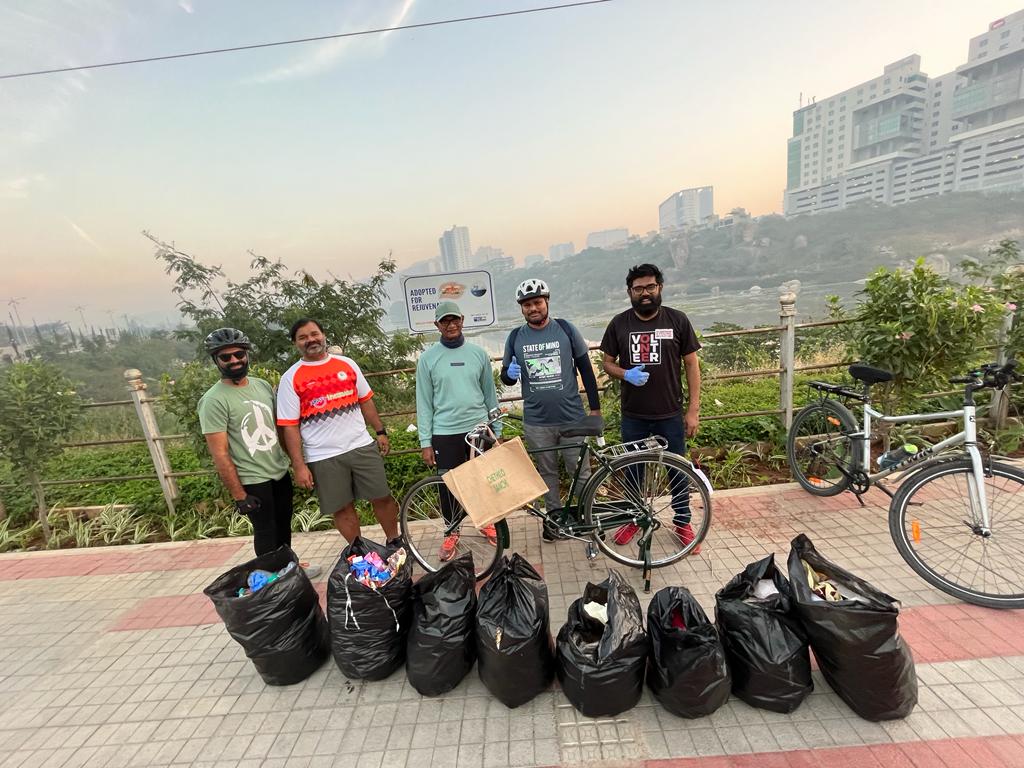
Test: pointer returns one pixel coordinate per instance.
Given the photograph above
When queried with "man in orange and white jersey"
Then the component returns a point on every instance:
(323, 406)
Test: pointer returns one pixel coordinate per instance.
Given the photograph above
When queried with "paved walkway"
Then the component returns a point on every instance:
(113, 657)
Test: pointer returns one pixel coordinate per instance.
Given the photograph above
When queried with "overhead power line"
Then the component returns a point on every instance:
(318, 38)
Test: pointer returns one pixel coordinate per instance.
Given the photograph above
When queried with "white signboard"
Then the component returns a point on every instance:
(472, 291)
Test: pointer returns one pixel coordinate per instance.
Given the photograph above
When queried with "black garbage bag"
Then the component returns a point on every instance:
(442, 641)
(513, 633)
(281, 627)
(855, 639)
(601, 665)
(765, 644)
(368, 626)
(687, 671)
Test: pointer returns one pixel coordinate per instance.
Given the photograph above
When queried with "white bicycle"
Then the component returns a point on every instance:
(957, 518)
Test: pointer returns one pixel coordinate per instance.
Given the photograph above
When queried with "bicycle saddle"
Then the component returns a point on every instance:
(869, 375)
(588, 426)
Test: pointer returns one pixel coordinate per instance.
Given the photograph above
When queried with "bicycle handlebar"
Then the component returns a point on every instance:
(990, 376)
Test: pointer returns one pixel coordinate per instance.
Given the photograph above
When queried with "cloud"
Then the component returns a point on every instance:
(85, 236)
(19, 187)
(326, 55)
(186, 6)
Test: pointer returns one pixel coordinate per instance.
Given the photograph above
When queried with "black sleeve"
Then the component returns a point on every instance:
(505, 360)
(610, 341)
(687, 337)
(586, 370)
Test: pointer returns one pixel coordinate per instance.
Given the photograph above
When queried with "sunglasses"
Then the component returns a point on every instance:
(227, 357)
(445, 321)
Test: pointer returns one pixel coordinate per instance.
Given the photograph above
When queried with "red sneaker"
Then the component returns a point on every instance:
(686, 536)
(448, 547)
(626, 533)
(491, 534)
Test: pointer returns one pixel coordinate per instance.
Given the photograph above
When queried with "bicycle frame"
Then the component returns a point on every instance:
(578, 530)
(968, 437)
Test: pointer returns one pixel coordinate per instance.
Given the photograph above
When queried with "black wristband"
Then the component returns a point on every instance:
(383, 432)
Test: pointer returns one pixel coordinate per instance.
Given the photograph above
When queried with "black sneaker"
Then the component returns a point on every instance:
(396, 542)
(550, 533)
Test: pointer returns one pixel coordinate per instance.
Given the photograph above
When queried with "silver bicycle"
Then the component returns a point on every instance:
(957, 518)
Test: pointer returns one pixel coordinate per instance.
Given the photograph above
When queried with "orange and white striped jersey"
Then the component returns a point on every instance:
(323, 398)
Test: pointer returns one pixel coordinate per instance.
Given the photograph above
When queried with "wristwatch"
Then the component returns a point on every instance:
(383, 432)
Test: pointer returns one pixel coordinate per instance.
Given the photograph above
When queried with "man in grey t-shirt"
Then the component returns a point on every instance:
(545, 355)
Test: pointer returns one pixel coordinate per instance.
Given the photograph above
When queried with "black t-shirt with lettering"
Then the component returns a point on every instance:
(659, 344)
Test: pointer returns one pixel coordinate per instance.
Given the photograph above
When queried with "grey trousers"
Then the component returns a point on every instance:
(538, 436)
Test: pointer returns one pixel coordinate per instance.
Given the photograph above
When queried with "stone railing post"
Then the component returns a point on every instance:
(151, 431)
(787, 355)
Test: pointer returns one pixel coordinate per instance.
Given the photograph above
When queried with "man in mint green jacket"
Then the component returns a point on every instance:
(454, 392)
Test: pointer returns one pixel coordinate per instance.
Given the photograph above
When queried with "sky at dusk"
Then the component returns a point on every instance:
(530, 130)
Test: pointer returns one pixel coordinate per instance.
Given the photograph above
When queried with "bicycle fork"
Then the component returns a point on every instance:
(980, 521)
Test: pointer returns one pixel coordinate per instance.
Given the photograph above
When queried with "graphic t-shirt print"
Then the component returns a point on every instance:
(543, 365)
(259, 432)
(645, 346)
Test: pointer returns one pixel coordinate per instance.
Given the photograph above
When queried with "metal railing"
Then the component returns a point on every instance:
(786, 372)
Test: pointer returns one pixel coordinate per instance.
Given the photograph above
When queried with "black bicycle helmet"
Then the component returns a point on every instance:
(226, 337)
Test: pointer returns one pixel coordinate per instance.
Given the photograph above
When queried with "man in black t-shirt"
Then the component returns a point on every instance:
(646, 347)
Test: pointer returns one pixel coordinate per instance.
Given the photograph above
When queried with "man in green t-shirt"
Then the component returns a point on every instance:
(237, 417)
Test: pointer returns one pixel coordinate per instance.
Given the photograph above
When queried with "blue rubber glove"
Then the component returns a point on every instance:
(514, 370)
(636, 376)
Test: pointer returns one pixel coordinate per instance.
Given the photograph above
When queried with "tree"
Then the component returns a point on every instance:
(1003, 272)
(38, 410)
(922, 327)
(266, 304)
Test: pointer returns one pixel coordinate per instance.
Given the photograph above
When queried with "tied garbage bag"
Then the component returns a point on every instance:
(513, 634)
(687, 671)
(764, 643)
(442, 644)
(853, 631)
(281, 627)
(368, 624)
(600, 664)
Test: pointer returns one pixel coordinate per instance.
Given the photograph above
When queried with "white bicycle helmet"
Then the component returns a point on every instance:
(532, 289)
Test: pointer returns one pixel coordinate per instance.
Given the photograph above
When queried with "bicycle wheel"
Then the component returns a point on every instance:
(646, 488)
(932, 525)
(818, 445)
(421, 516)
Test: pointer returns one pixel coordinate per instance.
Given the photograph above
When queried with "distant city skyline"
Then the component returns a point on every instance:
(330, 156)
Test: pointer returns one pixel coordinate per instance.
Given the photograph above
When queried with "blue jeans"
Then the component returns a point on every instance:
(673, 431)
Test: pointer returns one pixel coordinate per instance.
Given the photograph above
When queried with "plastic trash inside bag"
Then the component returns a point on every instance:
(686, 671)
(513, 635)
(854, 633)
(281, 627)
(368, 623)
(765, 645)
(601, 665)
(442, 641)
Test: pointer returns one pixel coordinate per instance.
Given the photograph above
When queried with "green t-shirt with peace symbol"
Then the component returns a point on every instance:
(247, 415)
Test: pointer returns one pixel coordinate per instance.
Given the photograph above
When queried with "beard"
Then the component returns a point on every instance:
(537, 318)
(235, 371)
(314, 347)
(646, 305)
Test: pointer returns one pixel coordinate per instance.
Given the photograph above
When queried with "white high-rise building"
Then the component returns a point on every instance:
(456, 254)
(560, 251)
(686, 208)
(607, 238)
(904, 136)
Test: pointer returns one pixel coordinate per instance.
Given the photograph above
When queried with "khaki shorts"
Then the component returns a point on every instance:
(357, 474)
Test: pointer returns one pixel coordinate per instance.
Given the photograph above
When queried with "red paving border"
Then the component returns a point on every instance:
(989, 752)
(115, 560)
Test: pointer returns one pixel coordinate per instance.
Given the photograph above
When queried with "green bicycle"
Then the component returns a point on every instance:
(643, 507)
